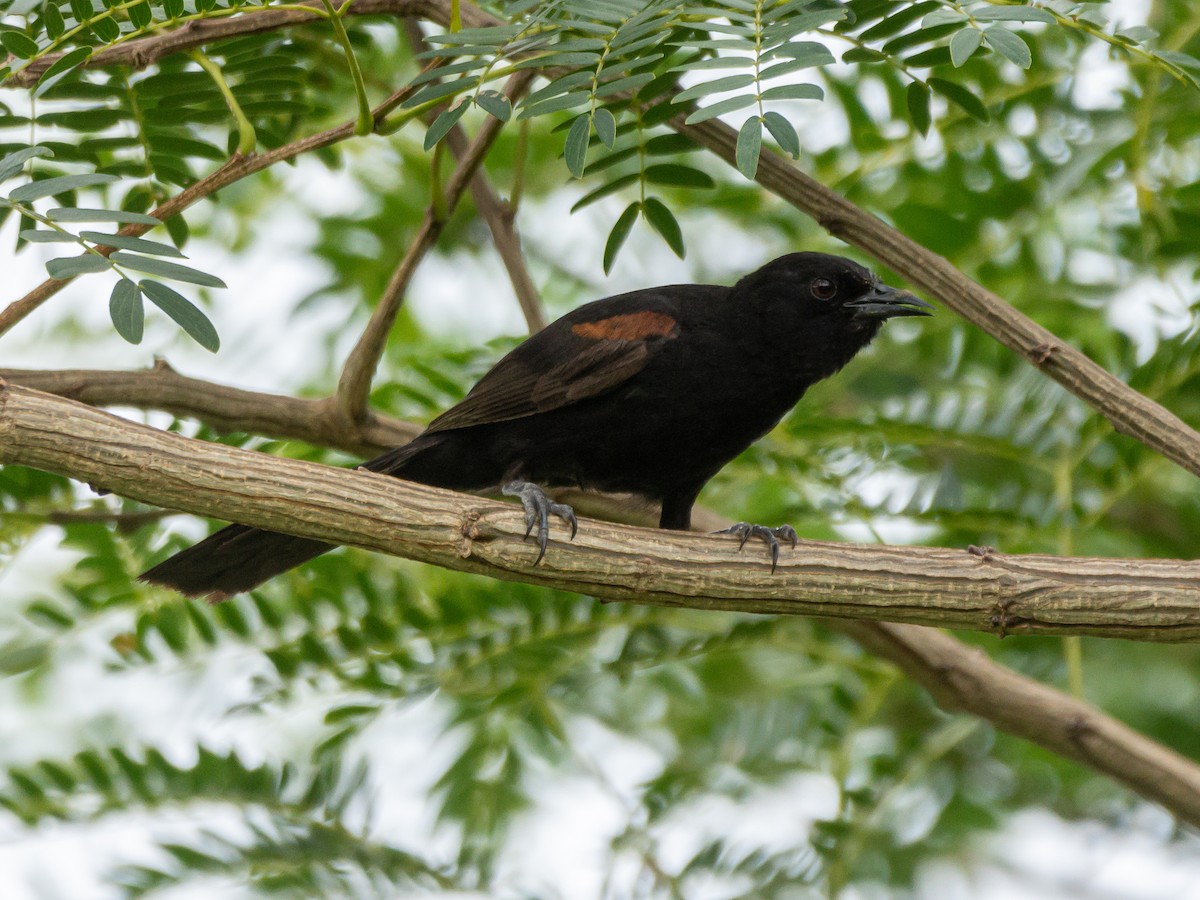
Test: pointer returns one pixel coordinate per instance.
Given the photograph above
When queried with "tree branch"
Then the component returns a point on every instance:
(979, 589)
(226, 409)
(354, 385)
(967, 679)
(663, 568)
(143, 52)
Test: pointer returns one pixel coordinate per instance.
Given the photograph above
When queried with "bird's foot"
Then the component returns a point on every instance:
(745, 531)
(538, 509)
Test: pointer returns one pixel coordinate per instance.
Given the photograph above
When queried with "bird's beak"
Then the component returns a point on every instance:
(884, 302)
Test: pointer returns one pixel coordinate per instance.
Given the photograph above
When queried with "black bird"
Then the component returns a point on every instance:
(650, 392)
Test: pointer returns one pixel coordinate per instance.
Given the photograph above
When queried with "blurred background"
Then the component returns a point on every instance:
(366, 726)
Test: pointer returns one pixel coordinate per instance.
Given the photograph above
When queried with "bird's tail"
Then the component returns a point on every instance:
(235, 559)
(239, 558)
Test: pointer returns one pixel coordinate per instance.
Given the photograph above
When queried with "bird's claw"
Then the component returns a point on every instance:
(745, 531)
(538, 509)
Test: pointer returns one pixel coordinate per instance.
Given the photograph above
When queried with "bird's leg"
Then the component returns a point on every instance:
(745, 531)
(538, 509)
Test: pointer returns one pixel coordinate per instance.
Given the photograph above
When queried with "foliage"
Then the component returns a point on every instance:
(972, 126)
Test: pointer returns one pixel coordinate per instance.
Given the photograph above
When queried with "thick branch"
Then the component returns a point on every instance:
(354, 386)
(981, 590)
(663, 568)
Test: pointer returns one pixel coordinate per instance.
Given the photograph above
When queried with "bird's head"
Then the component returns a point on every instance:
(834, 291)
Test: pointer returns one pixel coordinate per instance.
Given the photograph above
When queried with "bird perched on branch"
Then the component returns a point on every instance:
(650, 392)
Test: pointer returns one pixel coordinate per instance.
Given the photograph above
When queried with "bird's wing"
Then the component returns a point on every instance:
(582, 355)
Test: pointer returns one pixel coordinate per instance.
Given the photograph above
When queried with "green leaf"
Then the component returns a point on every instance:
(55, 26)
(606, 127)
(917, 96)
(495, 105)
(442, 124)
(61, 68)
(1013, 14)
(943, 17)
(185, 313)
(165, 269)
(783, 132)
(620, 231)
(629, 83)
(126, 311)
(604, 190)
(749, 145)
(108, 30)
(36, 236)
(964, 44)
(728, 83)
(555, 104)
(1010, 45)
(48, 187)
(959, 95)
(678, 176)
(69, 266)
(720, 108)
(575, 151)
(863, 55)
(11, 164)
(124, 242)
(794, 92)
(809, 53)
(121, 216)
(140, 15)
(19, 44)
(663, 221)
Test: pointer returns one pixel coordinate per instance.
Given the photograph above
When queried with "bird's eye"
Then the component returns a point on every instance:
(823, 288)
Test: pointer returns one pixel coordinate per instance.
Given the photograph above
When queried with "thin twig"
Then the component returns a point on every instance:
(499, 214)
(354, 385)
(501, 221)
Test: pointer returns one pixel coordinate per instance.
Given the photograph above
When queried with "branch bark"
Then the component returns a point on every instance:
(978, 589)
(652, 566)
(967, 679)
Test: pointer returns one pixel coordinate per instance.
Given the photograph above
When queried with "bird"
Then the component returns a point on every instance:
(649, 392)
